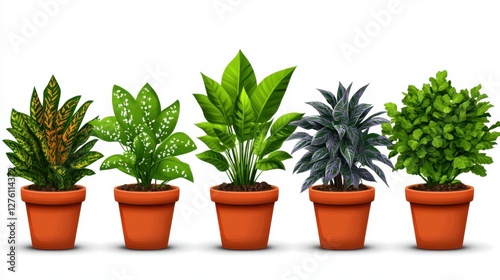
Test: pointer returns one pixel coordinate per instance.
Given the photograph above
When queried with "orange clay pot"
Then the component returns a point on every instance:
(244, 217)
(439, 218)
(342, 217)
(146, 217)
(53, 217)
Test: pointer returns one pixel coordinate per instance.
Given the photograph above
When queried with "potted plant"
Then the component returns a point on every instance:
(438, 134)
(150, 151)
(51, 149)
(339, 153)
(244, 140)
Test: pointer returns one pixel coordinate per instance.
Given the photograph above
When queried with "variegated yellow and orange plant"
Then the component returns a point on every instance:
(51, 148)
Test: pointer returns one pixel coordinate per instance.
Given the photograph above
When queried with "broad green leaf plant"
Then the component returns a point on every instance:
(51, 148)
(341, 149)
(241, 134)
(440, 132)
(145, 132)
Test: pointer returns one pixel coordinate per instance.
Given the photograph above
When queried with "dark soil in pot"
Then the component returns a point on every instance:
(137, 188)
(257, 187)
(50, 189)
(440, 187)
(330, 188)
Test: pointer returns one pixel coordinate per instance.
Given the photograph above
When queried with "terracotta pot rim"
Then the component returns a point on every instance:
(147, 198)
(244, 198)
(439, 198)
(342, 198)
(53, 198)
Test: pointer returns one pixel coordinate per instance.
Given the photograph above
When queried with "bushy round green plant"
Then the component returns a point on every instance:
(342, 145)
(440, 132)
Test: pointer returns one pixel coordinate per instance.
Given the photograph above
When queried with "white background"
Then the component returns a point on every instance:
(91, 45)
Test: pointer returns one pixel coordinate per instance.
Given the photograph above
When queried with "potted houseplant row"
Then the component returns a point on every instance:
(244, 140)
(150, 155)
(339, 153)
(52, 150)
(438, 134)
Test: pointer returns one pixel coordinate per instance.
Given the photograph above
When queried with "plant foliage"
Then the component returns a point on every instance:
(440, 132)
(341, 146)
(240, 130)
(145, 132)
(50, 148)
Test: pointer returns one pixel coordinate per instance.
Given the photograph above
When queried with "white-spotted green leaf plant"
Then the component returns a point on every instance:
(441, 132)
(145, 132)
(51, 147)
(341, 149)
(241, 134)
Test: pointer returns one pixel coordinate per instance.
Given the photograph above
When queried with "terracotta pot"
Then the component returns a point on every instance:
(53, 217)
(342, 217)
(439, 218)
(244, 217)
(146, 217)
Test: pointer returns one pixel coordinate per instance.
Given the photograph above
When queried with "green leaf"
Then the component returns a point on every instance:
(268, 95)
(128, 113)
(228, 140)
(144, 146)
(259, 142)
(479, 170)
(279, 155)
(215, 159)
(482, 158)
(166, 121)
(29, 175)
(237, 76)
(461, 162)
(107, 129)
(269, 164)
(149, 103)
(213, 143)
(125, 163)
(437, 142)
(280, 130)
(51, 96)
(208, 128)
(176, 144)
(211, 113)
(220, 99)
(244, 117)
(86, 160)
(392, 109)
(171, 168)
(36, 109)
(417, 133)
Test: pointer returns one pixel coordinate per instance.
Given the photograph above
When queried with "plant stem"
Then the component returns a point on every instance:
(338, 181)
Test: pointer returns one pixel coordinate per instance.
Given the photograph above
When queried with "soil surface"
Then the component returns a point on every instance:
(257, 187)
(440, 188)
(49, 189)
(328, 188)
(137, 188)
